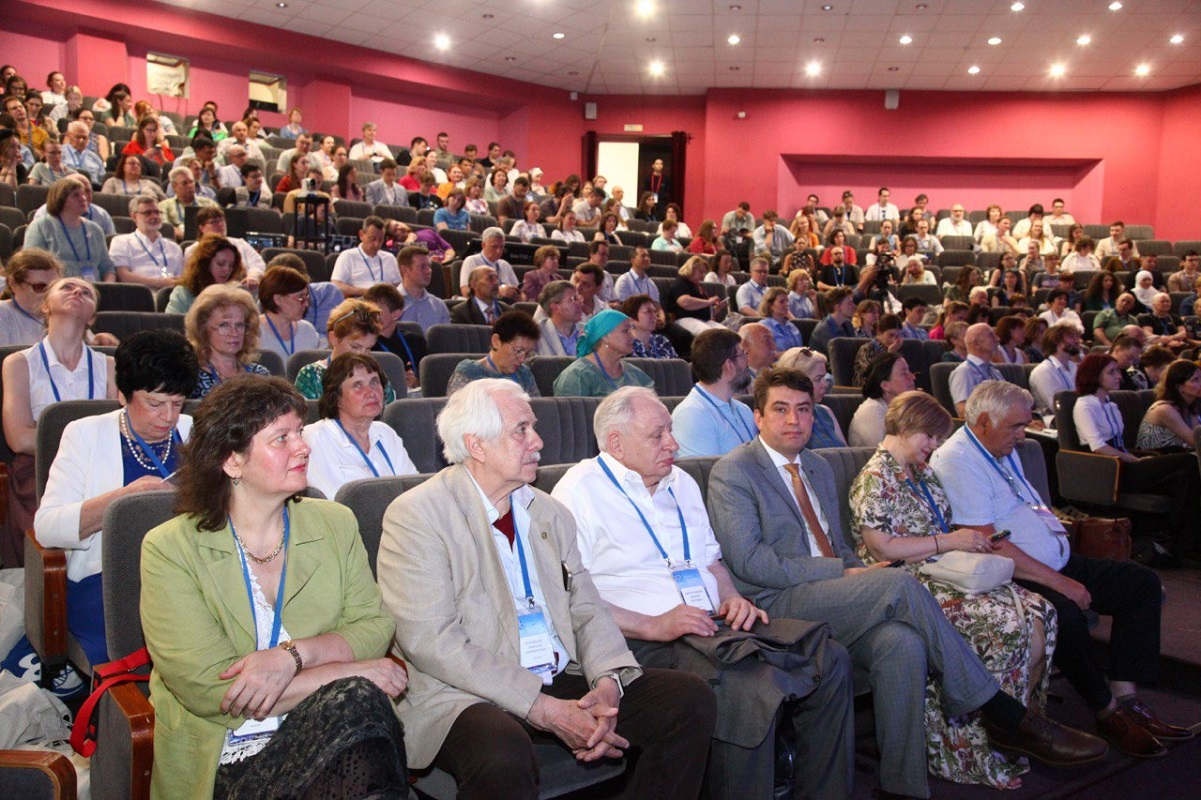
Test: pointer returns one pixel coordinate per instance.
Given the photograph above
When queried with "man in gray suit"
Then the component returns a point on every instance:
(505, 635)
(775, 511)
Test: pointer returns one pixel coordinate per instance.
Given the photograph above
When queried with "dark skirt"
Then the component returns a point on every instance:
(342, 741)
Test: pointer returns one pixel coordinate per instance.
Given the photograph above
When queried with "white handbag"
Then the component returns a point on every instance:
(972, 572)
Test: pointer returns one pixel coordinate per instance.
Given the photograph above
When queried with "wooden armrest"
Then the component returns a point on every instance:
(124, 754)
(57, 768)
(1088, 478)
(46, 601)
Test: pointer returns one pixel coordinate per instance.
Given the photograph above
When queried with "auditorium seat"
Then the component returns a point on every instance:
(456, 338)
(931, 295)
(314, 261)
(30, 197)
(352, 208)
(1182, 246)
(436, 369)
(124, 297)
(123, 324)
(844, 407)
(842, 351)
(546, 369)
(672, 376)
(37, 775)
(405, 214)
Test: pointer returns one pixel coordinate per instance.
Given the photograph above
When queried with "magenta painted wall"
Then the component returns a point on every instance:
(1137, 160)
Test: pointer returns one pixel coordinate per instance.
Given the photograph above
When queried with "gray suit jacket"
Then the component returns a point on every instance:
(375, 194)
(442, 580)
(760, 527)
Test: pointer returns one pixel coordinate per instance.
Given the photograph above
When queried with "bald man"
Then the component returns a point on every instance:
(981, 342)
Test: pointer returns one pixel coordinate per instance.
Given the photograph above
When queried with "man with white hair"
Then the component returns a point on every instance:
(645, 538)
(504, 634)
(711, 421)
(988, 492)
(760, 346)
(954, 225)
(76, 154)
(183, 182)
(492, 243)
(239, 135)
(230, 175)
(146, 256)
(981, 341)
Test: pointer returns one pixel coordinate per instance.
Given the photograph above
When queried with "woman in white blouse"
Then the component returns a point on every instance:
(566, 231)
(1100, 428)
(348, 443)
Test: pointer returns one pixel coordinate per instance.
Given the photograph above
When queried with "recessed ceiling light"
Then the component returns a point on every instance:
(442, 41)
(558, 35)
(813, 68)
(1115, 6)
(1017, 7)
(657, 69)
(1083, 39)
(1058, 70)
(827, 7)
(906, 39)
(510, 58)
(734, 38)
(996, 40)
(644, 8)
(973, 70)
(488, 16)
(735, 69)
(735, 7)
(921, 6)
(1142, 70)
(281, 5)
(819, 40)
(1177, 39)
(651, 39)
(894, 69)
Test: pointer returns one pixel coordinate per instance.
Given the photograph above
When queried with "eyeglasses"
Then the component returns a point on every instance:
(226, 328)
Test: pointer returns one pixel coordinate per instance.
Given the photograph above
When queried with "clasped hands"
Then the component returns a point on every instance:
(588, 726)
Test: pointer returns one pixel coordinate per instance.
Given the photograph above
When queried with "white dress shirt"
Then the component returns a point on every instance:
(780, 460)
(355, 268)
(336, 459)
(1051, 376)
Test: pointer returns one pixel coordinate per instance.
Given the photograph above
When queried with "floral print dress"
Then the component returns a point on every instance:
(996, 624)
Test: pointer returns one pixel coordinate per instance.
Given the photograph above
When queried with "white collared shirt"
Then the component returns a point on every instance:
(627, 568)
(335, 459)
(161, 258)
(780, 460)
(71, 384)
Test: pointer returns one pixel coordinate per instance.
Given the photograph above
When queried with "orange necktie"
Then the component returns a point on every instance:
(802, 496)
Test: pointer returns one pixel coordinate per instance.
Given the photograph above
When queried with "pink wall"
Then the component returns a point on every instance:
(1137, 160)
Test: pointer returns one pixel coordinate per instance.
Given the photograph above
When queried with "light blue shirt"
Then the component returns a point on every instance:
(970, 374)
(785, 333)
(705, 425)
(426, 310)
(629, 284)
(914, 332)
(86, 162)
(750, 294)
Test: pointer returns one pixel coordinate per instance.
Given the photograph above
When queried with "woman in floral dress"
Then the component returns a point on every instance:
(899, 511)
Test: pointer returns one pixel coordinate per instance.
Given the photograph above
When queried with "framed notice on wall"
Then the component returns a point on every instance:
(166, 75)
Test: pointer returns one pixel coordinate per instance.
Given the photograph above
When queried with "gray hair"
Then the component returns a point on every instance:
(179, 172)
(617, 412)
(995, 398)
(553, 293)
(492, 233)
(139, 200)
(473, 411)
(797, 358)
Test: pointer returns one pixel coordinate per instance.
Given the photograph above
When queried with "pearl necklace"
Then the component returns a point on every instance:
(138, 455)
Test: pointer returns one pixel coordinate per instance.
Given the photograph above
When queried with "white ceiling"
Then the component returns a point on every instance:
(607, 46)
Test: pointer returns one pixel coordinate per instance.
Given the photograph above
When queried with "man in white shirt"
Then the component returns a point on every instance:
(368, 147)
(385, 191)
(1035, 214)
(230, 176)
(146, 256)
(1108, 246)
(811, 208)
(1058, 215)
(212, 221)
(927, 244)
(851, 212)
(636, 281)
(415, 275)
(954, 225)
(1058, 310)
(981, 342)
(989, 492)
(304, 144)
(645, 538)
(751, 293)
(710, 421)
(492, 244)
(1057, 372)
(239, 135)
(882, 209)
(357, 269)
(588, 209)
(560, 302)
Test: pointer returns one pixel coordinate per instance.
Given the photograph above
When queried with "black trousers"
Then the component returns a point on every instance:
(668, 716)
(1129, 593)
(1175, 476)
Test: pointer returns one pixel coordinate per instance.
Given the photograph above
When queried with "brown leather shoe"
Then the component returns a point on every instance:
(1124, 730)
(1047, 741)
(1154, 725)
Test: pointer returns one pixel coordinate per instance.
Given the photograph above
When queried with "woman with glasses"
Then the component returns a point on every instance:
(284, 297)
(28, 274)
(150, 142)
(97, 142)
(354, 326)
(127, 179)
(648, 321)
(213, 260)
(514, 339)
(223, 327)
(44, 173)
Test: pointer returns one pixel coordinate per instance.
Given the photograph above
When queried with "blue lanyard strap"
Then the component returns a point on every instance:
(987, 370)
(279, 593)
(647, 525)
(87, 353)
(147, 449)
(23, 312)
(87, 246)
(605, 372)
(405, 345)
(996, 464)
(290, 346)
(162, 251)
(363, 454)
(525, 570)
(367, 262)
(749, 433)
(929, 499)
(1114, 419)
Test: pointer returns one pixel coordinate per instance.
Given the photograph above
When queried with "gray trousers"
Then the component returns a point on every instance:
(894, 628)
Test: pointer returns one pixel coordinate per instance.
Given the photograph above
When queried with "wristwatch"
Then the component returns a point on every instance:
(290, 646)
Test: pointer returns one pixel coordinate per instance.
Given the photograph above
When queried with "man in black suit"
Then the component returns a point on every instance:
(481, 306)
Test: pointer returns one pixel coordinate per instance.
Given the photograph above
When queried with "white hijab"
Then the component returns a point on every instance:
(1145, 296)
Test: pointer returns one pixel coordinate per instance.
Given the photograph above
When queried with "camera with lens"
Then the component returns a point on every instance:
(886, 271)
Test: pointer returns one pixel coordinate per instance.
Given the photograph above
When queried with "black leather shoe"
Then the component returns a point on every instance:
(1154, 725)
(1125, 731)
(1049, 742)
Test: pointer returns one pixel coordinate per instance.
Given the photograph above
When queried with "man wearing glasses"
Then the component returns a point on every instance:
(77, 156)
(146, 256)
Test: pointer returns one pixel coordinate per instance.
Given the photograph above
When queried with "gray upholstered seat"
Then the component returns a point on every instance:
(672, 376)
(455, 338)
(436, 369)
(124, 324)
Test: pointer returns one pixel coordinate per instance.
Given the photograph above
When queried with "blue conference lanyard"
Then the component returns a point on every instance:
(367, 262)
(986, 370)
(148, 450)
(366, 460)
(1114, 419)
(290, 346)
(87, 353)
(647, 525)
(929, 499)
(23, 312)
(405, 344)
(996, 464)
(492, 366)
(162, 251)
(525, 572)
(279, 593)
(749, 433)
(601, 367)
(87, 246)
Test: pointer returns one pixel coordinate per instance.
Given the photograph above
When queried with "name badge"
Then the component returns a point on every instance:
(1049, 519)
(88, 274)
(537, 652)
(255, 729)
(655, 197)
(692, 588)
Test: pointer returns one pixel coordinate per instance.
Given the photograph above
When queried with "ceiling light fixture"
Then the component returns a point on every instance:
(281, 5)
(813, 69)
(1058, 70)
(973, 70)
(735, 7)
(734, 38)
(1177, 39)
(894, 69)
(644, 8)
(657, 69)
(1017, 7)
(488, 16)
(442, 41)
(1142, 70)
(735, 69)
(1083, 39)
(510, 58)
(827, 7)
(921, 6)
(558, 35)
(819, 40)
(994, 41)
(1115, 6)
(906, 39)
(651, 39)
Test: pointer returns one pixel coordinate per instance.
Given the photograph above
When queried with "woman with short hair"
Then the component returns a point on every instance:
(514, 339)
(73, 239)
(648, 320)
(127, 179)
(354, 327)
(284, 298)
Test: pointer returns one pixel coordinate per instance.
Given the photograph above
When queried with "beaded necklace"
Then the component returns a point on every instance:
(161, 449)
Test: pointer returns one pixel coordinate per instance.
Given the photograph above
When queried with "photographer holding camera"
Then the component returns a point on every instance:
(877, 280)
